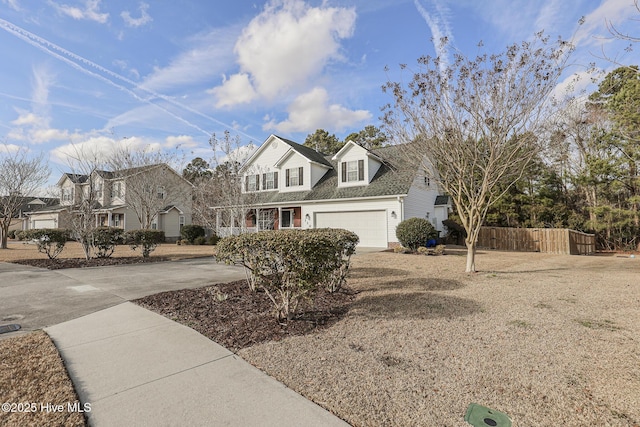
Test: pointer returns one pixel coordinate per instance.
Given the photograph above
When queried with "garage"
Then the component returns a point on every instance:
(44, 223)
(370, 226)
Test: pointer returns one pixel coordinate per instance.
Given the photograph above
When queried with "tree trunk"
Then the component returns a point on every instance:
(471, 256)
(3, 240)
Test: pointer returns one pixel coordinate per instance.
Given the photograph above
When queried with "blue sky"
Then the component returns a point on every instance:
(169, 74)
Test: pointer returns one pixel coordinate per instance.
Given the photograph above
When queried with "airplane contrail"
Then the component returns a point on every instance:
(66, 56)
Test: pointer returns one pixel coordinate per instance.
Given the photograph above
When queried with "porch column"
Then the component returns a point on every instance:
(257, 219)
(279, 218)
(217, 222)
(109, 219)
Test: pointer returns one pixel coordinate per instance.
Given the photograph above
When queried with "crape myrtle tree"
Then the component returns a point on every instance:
(85, 164)
(477, 122)
(219, 198)
(21, 174)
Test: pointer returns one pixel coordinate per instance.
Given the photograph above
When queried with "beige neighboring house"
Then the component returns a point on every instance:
(28, 204)
(366, 191)
(113, 203)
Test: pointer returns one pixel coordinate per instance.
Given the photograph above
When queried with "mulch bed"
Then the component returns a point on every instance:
(244, 318)
(57, 264)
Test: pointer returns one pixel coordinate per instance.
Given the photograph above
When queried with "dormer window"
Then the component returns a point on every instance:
(294, 177)
(352, 171)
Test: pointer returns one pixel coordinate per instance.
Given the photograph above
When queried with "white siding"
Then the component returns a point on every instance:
(317, 172)
(374, 165)
(295, 161)
(419, 203)
(267, 156)
(354, 152)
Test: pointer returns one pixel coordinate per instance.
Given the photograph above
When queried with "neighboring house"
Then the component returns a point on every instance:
(28, 204)
(116, 195)
(369, 192)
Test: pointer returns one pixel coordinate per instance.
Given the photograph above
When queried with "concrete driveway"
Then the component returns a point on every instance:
(36, 298)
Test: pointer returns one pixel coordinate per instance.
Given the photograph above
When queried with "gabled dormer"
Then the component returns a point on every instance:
(283, 165)
(356, 165)
(70, 185)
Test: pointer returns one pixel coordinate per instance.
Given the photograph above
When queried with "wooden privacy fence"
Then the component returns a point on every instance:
(548, 240)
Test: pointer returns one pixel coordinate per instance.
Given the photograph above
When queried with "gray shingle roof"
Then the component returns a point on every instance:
(307, 152)
(394, 177)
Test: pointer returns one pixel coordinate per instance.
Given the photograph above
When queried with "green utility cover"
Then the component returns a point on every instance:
(481, 416)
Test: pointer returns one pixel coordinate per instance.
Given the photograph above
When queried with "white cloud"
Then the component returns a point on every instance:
(90, 12)
(311, 111)
(28, 119)
(98, 147)
(180, 141)
(9, 148)
(39, 136)
(13, 4)
(286, 45)
(203, 61)
(440, 28)
(594, 30)
(236, 90)
(144, 18)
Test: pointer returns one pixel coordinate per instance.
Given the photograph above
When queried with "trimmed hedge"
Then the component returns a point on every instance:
(105, 239)
(290, 265)
(414, 232)
(49, 241)
(191, 232)
(148, 240)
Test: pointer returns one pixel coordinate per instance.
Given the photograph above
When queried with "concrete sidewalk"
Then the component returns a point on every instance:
(136, 367)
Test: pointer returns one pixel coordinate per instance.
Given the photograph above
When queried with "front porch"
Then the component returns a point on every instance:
(236, 221)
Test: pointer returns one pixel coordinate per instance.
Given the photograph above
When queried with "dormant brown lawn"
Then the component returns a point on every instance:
(548, 339)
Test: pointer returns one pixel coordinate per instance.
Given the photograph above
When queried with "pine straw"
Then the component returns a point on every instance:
(31, 372)
(547, 339)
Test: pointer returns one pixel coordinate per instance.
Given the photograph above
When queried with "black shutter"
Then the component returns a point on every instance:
(246, 183)
(257, 178)
(264, 181)
(275, 180)
(343, 165)
(360, 170)
(287, 183)
(300, 175)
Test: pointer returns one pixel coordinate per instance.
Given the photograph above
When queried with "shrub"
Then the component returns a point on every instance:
(148, 240)
(414, 232)
(213, 239)
(422, 250)
(290, 265)
(191, 232)
(401, 250)
(200, 240)
(49, 241)
(105, 239)
(12, 234)
(20, 235)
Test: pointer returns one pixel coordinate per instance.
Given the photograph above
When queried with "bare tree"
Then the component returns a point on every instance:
(21, 174)
(87, 185)
(220, 201)
(150, 184)
(476, 122)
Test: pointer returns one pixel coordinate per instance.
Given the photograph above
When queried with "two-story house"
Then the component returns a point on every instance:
(368, 192)
(154, 197)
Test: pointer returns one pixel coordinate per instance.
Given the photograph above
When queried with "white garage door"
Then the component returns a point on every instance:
(370, 226)
(44, 223)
